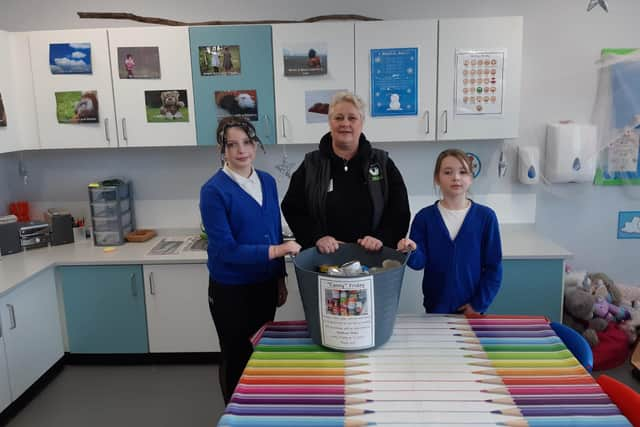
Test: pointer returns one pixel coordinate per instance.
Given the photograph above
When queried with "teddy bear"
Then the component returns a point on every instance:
(631, 326)
(578, 314)
(171, 104)
(603, 286)
(610, 312)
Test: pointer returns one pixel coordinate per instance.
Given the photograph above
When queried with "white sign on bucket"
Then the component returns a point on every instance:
(347, 315)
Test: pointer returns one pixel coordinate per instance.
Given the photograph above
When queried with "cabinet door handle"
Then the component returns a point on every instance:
(267, 125)
(284, 127)
(124, 131)
(152, 286)
(445, 120)
(106, 131)
(12, 316)
(426, 120)
(134, 291)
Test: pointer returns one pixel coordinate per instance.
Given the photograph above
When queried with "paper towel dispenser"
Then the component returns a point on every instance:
(571, 152)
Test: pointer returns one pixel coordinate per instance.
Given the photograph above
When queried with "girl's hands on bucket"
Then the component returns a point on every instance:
(289, 247)
(327, 245)
(370, 243)
(282, 292)
(406, 245)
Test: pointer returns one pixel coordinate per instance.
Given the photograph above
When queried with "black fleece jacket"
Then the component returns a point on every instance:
(348, 208)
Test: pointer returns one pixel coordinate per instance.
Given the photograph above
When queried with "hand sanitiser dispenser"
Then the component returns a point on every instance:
(528, 165)
(571, 152)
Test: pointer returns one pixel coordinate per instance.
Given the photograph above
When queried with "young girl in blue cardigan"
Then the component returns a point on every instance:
(457, 243)
(241, 215)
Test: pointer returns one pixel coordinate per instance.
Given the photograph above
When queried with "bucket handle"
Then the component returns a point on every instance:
(406, 259)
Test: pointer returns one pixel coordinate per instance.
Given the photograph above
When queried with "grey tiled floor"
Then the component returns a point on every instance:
(127, 396)
(140, 396)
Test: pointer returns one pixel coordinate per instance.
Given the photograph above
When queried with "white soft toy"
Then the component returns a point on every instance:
(578, 278)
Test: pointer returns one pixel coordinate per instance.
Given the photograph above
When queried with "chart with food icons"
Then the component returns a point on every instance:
(479, 83)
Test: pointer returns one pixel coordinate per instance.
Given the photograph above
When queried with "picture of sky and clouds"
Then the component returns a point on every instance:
(70, 58)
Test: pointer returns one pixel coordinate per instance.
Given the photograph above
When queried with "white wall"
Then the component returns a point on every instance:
(561, 43)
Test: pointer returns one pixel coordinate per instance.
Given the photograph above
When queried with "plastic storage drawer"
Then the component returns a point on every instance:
(106, 238)
(115, 223)
(109, 193)
(109, 209)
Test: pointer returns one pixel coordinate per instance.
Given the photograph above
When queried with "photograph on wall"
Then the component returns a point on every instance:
(316, 105)
(139, 62)
(479, 82)
(3, 113)
(309, 59)
(237, 103)
(70, 58)
(166, 105)
(219, 59)
(394, 82)
(77, 106)
(629, 225)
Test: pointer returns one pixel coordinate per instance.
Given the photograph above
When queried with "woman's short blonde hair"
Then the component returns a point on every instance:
(349, 97)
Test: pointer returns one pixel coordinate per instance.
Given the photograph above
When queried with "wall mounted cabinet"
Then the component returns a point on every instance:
(248, 91)
(31, 327)
(130, 94)
(178, 314)
(18, 122)
(502, 34)
(104, 309)
(296, 94)
(73, 135)
(122, 103)
(420, 34)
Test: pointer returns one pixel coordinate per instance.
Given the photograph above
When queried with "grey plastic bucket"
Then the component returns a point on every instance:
(386, 286)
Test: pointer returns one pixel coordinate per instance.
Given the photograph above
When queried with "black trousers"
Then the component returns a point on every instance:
(238, 311)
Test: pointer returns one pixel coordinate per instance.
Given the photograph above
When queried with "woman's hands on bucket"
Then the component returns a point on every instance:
(370, 243)
(290, 247)
(327, 244)
(405, 245)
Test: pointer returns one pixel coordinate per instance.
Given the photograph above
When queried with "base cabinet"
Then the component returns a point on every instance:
(529, 287)
(31, 328)
(178, 314)
(5, 392)
(104, 309)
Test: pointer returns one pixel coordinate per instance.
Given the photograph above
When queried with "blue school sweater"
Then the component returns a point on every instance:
(240, 231)
(465, 270)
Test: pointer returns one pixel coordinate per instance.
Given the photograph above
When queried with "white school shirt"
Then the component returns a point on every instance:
(453, 219)
(251, 185)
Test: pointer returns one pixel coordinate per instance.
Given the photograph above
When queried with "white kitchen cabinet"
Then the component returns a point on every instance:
(32, 333)
(292, 309)
(420, 34)
(178, 317)
(73, 135)
(175, 74)
(5, 391)
(17, 112)
(296, 94)
(501, 34)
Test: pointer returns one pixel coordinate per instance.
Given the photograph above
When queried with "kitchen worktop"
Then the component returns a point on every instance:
(518, 242)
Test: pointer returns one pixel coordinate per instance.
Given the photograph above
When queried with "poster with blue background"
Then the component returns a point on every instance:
(394, 82)
(70, 58)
